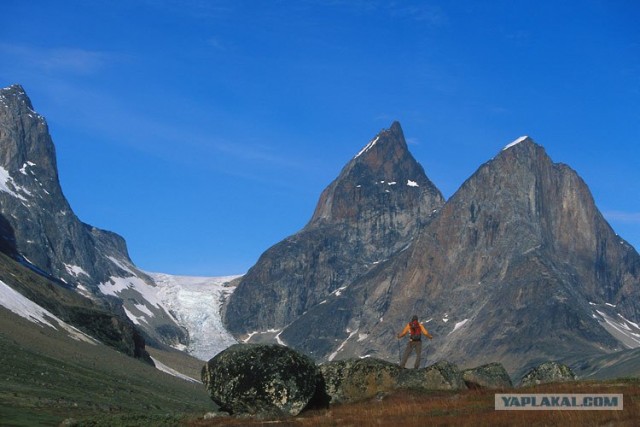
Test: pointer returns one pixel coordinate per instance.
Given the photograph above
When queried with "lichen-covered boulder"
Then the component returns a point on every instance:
(442, 375)
(548, 372)
(351, 380)
(491, 376)
(260, 379)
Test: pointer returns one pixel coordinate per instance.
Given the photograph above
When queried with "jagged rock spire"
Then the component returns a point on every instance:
(382, 176)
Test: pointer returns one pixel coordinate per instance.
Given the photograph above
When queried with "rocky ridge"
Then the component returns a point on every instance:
(40, 230)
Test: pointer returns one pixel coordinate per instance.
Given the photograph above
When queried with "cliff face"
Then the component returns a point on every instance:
(46, 232)
(373, 210)
(40, 229)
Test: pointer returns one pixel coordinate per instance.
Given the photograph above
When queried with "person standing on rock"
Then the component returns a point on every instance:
(415, 330)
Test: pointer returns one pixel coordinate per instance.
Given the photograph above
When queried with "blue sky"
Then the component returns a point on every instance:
(204, 131)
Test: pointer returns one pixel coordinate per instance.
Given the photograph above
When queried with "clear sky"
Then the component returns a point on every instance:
(204, 131)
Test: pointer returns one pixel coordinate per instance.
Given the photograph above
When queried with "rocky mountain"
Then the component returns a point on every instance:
(371, 212)
(518, 266)
(39, 229)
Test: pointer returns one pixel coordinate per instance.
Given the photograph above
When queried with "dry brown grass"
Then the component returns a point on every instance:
(467, 408)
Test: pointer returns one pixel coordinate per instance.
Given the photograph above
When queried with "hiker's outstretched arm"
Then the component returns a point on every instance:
(404, 332)
(425, 332)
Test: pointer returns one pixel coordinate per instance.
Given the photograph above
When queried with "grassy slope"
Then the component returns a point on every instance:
(46, 377)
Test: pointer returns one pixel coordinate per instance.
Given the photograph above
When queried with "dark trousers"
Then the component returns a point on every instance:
(411, 346)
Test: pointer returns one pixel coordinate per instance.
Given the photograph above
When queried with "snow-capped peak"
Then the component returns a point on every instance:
(516, 142)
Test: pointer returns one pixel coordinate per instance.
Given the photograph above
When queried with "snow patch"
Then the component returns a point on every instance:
(24, 307)
(6, 180)
(338, 291)
(459, 325)
(411, 183)
(135, 319)
(23, 169)
(279, 340)
(75, 270)
(122, 265)
(82, 290)
(335, 353)
(368, 146)
(144, 309)
(164, 368)
(514, 143)
(629, 322)
(624, 331)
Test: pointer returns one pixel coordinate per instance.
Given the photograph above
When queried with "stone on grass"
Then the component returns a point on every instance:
(490, 376)
(261, 380)
(548, 372)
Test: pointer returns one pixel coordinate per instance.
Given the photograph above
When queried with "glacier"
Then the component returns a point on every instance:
(195, 302)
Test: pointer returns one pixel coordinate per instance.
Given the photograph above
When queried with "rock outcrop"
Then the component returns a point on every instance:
(261, 380)
(442, 375)
(491, 376)
(350, 380)
(548, 372)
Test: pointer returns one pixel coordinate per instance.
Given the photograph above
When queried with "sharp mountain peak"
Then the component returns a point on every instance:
(386, 139)
(384, 168)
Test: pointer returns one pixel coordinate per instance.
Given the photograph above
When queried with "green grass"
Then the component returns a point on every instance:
(46, 377)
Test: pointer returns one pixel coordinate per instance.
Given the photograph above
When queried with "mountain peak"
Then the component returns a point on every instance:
(12, 89)
(381, 174)
(15, 95)
(394, 135)
(517, 141)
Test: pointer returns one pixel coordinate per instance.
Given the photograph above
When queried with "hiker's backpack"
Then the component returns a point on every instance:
(414, 331)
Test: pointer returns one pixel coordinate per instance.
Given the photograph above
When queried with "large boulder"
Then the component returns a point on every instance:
(350, 380)
(442, 375)
(258, 379)
(491, 376)
(548, 372)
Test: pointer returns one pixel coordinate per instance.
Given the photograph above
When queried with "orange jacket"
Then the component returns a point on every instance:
(407, 328)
